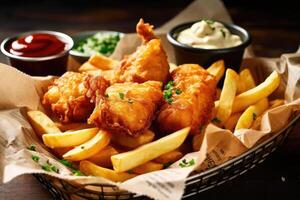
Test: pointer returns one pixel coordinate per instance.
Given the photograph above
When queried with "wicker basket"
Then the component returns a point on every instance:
(195, 184)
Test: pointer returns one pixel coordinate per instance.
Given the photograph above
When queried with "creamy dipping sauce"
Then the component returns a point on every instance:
(208, 34)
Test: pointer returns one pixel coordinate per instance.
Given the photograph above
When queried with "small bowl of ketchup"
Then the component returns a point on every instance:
(38, 53)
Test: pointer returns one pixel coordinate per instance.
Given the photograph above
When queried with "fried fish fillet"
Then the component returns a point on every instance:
(189, 99)
(127, 107)
(96, 86)
(67, 97)
(148, 62)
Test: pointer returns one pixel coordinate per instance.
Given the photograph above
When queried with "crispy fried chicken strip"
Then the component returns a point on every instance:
(148, 62)
(67, 97)
(127, 107)
(191, 100)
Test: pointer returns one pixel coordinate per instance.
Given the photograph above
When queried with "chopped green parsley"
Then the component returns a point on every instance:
(254, 116)
(54, 169)
(166, 165)
(31, 148)
(50, 167)
(169, 85)
(103, 43)
(223, 32)
(76, 172)
(121, 95)
(178, 91)
(168, 92)
(68, 164)
(185, 163)
(216, 120)
(35, 158)
(46, 167)
(209, 21)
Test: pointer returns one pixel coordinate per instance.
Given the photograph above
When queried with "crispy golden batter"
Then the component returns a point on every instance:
(145, 31)
(149, 62)
(127, 107)
(193, 95)
(67, 97)
(96, 86)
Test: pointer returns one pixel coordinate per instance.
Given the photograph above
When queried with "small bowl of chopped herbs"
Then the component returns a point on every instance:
(91, 42)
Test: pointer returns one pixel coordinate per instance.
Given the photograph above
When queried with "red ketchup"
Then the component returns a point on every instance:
(37, 45)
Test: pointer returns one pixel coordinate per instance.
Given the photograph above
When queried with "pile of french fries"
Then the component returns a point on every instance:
(240, 105)
(100, 65)
(112, 156)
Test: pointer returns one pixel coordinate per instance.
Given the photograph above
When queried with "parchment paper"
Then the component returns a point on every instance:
(20, 91)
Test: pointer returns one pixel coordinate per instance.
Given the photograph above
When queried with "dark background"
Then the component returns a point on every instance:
(274, 26)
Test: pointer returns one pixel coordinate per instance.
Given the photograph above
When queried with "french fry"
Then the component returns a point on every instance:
(102, 158)
(87, 66)
(147, 152)
(147, 167)
(257, 122)
(253, 95)
(246, 82)
(232, 121)
(250, 97)
(69, 139)
(97, 72)
(197, 141)
(107, 74)
(89, 168)
(169, 157)
(273, 104)
(41, 123)
(103, 62)
(217, 69)
(72, 126)
(250, 114)
(240, 86)
(133, 142)
(89, 148)
(227, 95)
(247, 79)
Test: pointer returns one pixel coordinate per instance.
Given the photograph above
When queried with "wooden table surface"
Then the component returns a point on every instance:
(275, 29)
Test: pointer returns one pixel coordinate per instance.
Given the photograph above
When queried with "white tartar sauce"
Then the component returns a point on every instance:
(208, 34)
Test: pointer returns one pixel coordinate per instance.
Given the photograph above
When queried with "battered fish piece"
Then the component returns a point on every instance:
(127, 107)
(96, 86)
(149, 62)
(67, 97)
(189, 99)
